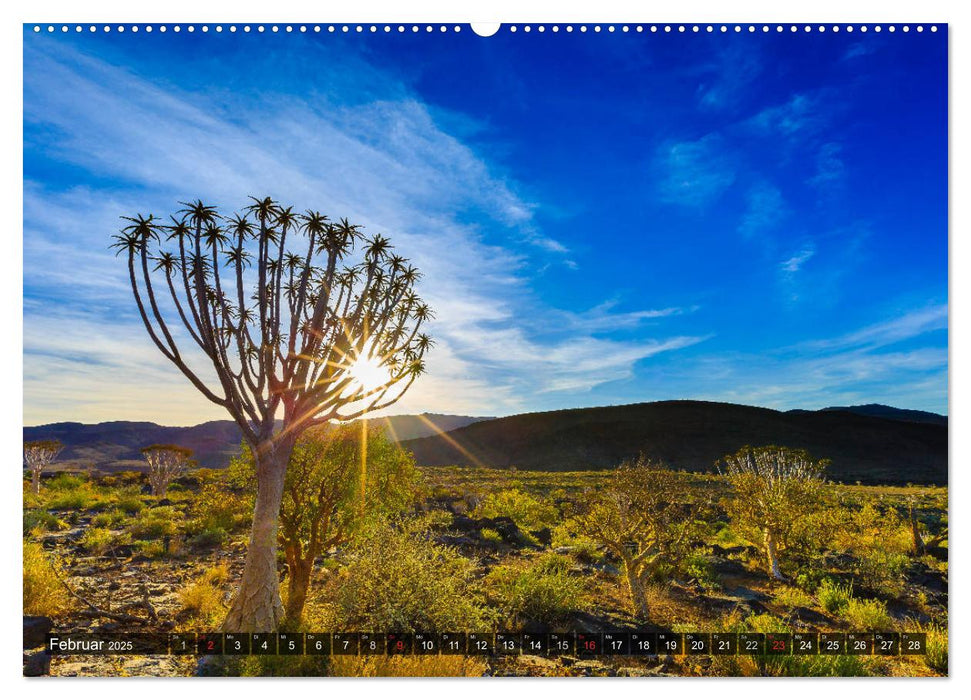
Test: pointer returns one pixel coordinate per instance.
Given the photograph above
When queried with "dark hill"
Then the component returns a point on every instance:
(881, 411)
(116, 444)
(693, 435)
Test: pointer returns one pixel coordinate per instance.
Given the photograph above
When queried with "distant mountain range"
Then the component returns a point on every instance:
(115, 445)
(870, 443)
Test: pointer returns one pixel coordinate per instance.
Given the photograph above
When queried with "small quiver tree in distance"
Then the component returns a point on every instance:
(38, 454)
(268, 313)
(774, 489)
(165, 463)
(645, 517)
(321, 507)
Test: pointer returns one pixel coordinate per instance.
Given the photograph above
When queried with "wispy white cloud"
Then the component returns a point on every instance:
(694, 173)
(765, 209)
(906, 326)
(726, 78)
(830, 167)
(801, 115)
(385, 163)
(793, 264)
(898, 361)
(860, 48)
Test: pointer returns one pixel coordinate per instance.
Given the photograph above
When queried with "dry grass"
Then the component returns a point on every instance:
(407, 666)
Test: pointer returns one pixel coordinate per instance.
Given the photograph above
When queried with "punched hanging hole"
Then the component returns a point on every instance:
(485, 28)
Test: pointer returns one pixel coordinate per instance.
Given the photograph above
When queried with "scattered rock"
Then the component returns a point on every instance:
(37, 662)
(810, 616)
(36, 627)
(544, 536)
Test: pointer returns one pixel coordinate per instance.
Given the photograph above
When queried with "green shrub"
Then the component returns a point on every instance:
(867, 615)
(218, 507)
(208, 538)
(99, 540)
(936, 656)
(698, 566)
(109, 518)
(66, 482)
(793, 598)
(154, 524)
(40, 519)
(883, 572)
(490, 535)
(527, 512)
(842, 666)
(129, 501)
(833, 597)
(202, 599)
(542, 591)
(152, 549)
(765, 623)
(81, 499)
(398, 580)
(44, 594)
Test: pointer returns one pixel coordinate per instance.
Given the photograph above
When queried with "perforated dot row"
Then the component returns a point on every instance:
(711, 28)
(414, 28)
(232, 28)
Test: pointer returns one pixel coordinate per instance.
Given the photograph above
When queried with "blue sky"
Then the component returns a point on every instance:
(601, 218)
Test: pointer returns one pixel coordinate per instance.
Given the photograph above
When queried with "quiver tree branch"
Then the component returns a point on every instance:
(773, 488)
(267, 313)
(165, 463)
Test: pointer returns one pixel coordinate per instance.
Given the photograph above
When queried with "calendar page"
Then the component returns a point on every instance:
(550, 349)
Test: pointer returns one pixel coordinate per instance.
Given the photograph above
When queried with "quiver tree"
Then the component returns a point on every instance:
(37, 455)
(271, 315)
(775, 489)
(920, 545)
(165, 463)
(644, 517)
(323, 495)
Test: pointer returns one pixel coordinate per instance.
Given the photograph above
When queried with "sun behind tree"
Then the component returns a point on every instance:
(278, 306)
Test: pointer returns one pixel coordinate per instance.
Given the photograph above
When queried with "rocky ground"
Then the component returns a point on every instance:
(122, 590)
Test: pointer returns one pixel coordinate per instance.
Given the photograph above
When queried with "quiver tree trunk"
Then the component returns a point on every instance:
(159, 485)
(919, 547)
(35, 481)
(635, 586)
(772, 555)
(257, 606)
(298, 585)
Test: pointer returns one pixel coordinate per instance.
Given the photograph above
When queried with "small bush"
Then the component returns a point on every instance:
(109, 518)
(793, 598)
(129, 501)
(43, 592)
(541, 591)
(98, 540)
(867, 615)
(208, 538)
(398, 580)
(203, 598)
(936, 656)
(527, 512)
(81, 499)
(220, 508)
(407, 666)
(700, 568)
(40, 520)
(152, 549)
(833, 597)
(66, 482)
(883, 572)
(154, 524)
(490, 535)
